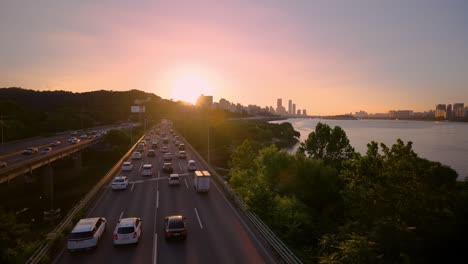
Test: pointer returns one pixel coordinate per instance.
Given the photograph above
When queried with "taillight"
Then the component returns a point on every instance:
(184, 232)
(134, 234)
(168, 233)
(116, 236)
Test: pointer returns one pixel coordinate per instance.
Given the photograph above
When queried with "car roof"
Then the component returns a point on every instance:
(175, 218)
(85, 225)
(147, 166)
(127, 163)
(120, 177)
(174, 175)
(130, 221)
(167, 163)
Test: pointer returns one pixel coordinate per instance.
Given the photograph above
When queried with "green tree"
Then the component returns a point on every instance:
(243, 156)
(330, 145)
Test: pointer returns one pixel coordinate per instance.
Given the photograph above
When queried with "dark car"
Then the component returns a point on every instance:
(154, 145)
(175, 227)
(151, 153)
(167, 167)
(30, 151)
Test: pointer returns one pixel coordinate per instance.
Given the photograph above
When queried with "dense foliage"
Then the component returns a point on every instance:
(387, 206)
(28, 113)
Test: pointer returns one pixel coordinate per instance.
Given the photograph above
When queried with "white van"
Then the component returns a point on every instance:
(147, 170)
(86, 233)
(174, 179)
(191, 166)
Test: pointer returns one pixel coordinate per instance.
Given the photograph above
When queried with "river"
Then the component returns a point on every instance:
(446, 142)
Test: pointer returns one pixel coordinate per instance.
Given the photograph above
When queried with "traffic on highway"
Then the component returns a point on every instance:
(162, 207)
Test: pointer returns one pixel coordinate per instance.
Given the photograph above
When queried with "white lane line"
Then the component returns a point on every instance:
(121, 214)
(155, 248)
(198, 217)
(157, 199)
(133, 185)
(186, 184)
(180, 166)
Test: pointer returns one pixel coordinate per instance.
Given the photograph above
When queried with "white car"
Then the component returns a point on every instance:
(182, 154)
(147, 170)
(174, 179)
(86, 233)
(191, 166)
(127, 166)
(167, 157)
(55, 143)
(127, 231)
(120, 183)
(136, 155)
(84, 136)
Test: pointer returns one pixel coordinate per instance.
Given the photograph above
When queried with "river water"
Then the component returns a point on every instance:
(446, 142)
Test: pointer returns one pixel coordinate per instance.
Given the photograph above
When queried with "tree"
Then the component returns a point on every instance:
(330, 145)
(243, 156)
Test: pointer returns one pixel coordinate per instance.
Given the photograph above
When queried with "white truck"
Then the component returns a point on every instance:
(201, 181)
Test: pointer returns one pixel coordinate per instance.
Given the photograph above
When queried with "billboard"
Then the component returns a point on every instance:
(138, 109)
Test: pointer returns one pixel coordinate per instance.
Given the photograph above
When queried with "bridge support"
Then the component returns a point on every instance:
(77, 161)
(48, 183)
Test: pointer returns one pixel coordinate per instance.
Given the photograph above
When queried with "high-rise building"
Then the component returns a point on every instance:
(293, 112)
(205, 101)
(298, 112)
(304, 112)
(449, 111)
(290, 107)
(458, 110)
(279, 104)
(441, 111)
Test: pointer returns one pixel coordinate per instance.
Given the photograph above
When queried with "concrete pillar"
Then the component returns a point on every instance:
(78, 161)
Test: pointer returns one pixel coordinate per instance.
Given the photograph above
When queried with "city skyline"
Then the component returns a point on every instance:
(334, 57)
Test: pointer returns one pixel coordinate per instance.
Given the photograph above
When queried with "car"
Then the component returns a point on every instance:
(73, 133)
(46, 150)
(30, 151)
(174, 179)
(86, 233)
(3, 164)
(191, 165)
(151, 153)
(143, 142)
(167, 156)
(147, 170)
(136, 155)
(154, 145)
(167, 167)
(140, 147)
(175, 227)
(181, 146)
(55, 143)
(164, 149)
(165, 140)
(75, 141)
(127, 231)
(84, 136)
(177, 143)
(120, 183)
(127, 166)
(72, 139)
(182, 155)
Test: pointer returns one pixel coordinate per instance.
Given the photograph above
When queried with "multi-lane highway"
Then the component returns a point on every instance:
(216, 233)
(12, 153)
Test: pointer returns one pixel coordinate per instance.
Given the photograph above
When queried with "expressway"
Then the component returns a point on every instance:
(13, 152)
(216, 233)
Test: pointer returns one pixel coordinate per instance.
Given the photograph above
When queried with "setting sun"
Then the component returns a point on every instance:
(188, 84)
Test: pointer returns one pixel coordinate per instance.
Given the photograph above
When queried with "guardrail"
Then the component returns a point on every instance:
(45, 247)
(21, 168)
(283, 251)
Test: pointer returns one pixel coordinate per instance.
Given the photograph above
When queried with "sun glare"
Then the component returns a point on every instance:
(188, 85)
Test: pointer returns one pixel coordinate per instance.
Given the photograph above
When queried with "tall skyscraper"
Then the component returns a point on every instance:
(294, 109)
(304, 112)
(290, 107)
(441, 111)
(458, 110)
(449, 111)
(279, 103)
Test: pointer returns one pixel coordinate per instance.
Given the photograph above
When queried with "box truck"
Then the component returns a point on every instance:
(201, 181)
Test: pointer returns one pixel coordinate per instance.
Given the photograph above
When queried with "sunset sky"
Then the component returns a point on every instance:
(330, 57)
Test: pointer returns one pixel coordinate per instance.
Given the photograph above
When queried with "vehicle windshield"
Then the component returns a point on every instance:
(81, 235)
(176, 224)
(125, 230)
(119, 180)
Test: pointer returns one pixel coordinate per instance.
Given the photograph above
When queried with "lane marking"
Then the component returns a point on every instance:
(155, 248)
(157, 199)
(186, 184)
(141, 165)
(180, 166)
(121, 214)
(198, 217)
(133, 185)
